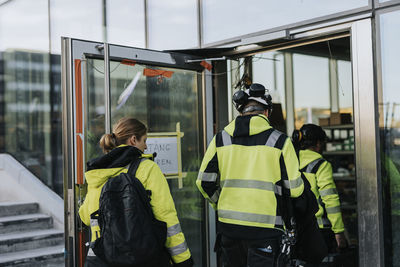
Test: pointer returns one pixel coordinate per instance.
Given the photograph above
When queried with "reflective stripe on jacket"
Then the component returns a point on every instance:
(244, 171)
(319, 174)
(162, 203)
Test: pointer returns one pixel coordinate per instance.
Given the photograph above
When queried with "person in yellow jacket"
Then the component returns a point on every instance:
(244, 173)
(310, 141)
(127, 140)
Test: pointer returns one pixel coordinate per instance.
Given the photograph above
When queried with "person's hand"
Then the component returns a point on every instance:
(341, 240)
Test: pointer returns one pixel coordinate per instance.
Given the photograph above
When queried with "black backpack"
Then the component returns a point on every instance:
(129, 233)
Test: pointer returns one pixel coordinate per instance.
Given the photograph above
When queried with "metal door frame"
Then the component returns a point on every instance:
(365, 106)
(367, 158)
(73, 95)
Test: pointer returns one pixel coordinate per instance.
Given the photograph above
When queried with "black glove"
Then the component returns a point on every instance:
(186, 263)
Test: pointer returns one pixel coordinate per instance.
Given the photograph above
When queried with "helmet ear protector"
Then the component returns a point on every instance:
(256, 92)
(297, 136)
(240, 99)
(309, 135)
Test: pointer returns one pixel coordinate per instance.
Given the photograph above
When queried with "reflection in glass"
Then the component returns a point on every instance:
(27, 109)
(67, 18)
(172, 24)
(268, 69)
(235, 18)
(345, 87)
(389, 122)
(125, 22)
(161, 102)
(95, 112)
(311, 89)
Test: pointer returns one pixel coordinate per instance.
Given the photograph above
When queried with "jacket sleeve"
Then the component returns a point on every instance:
(329, 196)
(208, 177)
(289, 164)
(164, 210)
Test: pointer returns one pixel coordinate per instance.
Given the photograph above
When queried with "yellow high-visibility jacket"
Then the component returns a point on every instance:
(148, 172)
(318, 172)
(244, 171)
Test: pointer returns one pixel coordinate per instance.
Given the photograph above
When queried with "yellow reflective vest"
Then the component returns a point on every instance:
(244, 171)
(318, 172)
(162, 203)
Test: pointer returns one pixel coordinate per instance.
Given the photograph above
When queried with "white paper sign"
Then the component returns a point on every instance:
(167, 153)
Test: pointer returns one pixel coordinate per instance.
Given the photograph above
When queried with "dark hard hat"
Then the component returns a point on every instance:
(256, 92)
(312, 132)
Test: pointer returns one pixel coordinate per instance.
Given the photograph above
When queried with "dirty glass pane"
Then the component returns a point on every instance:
(166, 104)
(95, 111)
(389, 128)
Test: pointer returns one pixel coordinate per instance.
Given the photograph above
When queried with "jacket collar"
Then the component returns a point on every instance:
(248, 125)
(307, 156)
(120, 156)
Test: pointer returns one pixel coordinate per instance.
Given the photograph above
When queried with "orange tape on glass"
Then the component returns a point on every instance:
(81, 244)
(79, 121)
(206, 65)
(128, 62)
(78, 96)
(155, 73)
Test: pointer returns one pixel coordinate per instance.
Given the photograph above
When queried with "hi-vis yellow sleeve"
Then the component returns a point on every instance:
(329, 196)
(207, 179)
(291, 168)
(164, 209)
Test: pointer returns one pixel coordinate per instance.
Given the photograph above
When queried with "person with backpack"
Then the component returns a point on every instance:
(140, 226)
(310, 142)
(248, 174)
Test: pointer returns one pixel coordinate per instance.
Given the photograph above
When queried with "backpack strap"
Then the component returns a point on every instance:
(313, 166)
(134, 165)
(133, 168)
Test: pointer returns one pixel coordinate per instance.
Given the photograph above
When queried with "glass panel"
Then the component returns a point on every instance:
(95, 113)
(268, 69)
(26, 96)
(234, 18)
(125, 22)
(345, 86)
(161, 103)
(172, 24)
(311, 78)
(67, 18)
(389, 122)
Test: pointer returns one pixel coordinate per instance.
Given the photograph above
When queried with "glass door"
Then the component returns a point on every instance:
(103, 83)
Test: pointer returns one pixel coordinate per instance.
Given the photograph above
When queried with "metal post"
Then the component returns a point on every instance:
(289, 92)
(107, 94)
(333, 82)
(200, 21)
(146, 25)
(370, 221)
(68, 153)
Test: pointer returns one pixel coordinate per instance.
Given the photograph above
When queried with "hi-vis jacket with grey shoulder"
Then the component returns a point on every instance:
(319, 174)
(244, 171)
(112, 164)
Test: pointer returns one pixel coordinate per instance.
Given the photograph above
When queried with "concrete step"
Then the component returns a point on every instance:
(29, 240)
(43, 257)
(17, 208)
(20, 223)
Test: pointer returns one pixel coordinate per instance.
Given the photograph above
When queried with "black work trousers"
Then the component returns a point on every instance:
(250, 253)
(94, 261)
